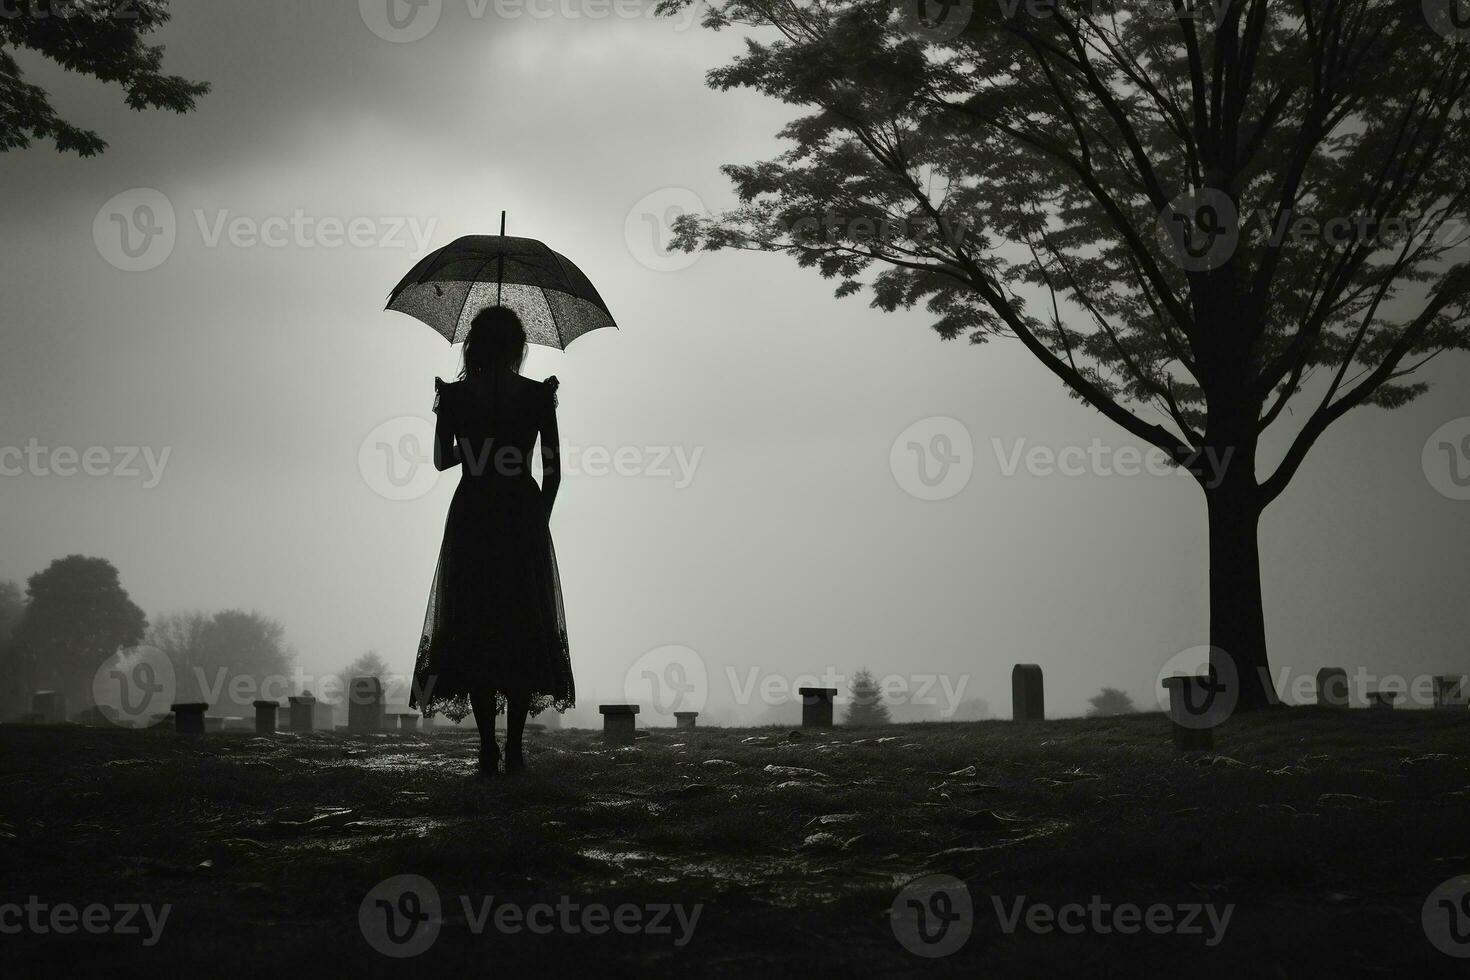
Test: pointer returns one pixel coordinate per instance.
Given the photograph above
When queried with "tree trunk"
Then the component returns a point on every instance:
(1237, 618)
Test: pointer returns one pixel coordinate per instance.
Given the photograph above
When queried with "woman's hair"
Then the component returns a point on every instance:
(497, 339)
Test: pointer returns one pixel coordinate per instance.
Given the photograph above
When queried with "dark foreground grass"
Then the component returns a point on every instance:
(1324, 831)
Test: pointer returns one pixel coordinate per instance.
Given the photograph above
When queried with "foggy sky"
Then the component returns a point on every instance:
(794, 550)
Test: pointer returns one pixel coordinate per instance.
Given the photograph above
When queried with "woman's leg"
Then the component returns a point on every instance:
(483, 703)
(516, 708)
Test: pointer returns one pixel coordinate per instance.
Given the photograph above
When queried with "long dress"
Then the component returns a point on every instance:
(495, 616)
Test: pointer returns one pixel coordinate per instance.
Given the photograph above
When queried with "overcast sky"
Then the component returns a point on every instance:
(270, 374)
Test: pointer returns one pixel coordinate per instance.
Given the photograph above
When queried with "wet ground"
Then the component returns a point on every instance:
(766, 850)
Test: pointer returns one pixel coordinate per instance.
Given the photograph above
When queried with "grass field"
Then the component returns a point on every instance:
(1325, 832)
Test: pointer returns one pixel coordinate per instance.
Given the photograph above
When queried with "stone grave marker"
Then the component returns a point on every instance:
(816, 706)
(189, 717)
(619, 723)
(1332, 687)
(1028, 698)
(365, 705)
(265, 717)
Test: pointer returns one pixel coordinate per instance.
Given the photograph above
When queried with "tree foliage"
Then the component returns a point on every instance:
(1110, 701)
(77, 615)
(213, 653)
(1109, 184)
(104, 39)
(865, 701)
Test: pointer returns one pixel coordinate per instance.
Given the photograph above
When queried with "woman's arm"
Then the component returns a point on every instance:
(550, 450)
(446, 447)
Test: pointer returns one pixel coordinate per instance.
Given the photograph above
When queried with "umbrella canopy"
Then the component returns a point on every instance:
(555, 301)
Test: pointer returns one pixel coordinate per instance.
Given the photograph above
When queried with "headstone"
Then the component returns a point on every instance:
(189, 718)
(32, 718)
(816, 706)
(1332, 687)
(408, 722)
(685, 719)
(1449, 692)
(213, 723)
(619, 723)
(301, 712)
(1028, 701)
(322, 717)
(1382, 700)
(265, 717)
(365, 705)
(1188, 713)
(51, 706)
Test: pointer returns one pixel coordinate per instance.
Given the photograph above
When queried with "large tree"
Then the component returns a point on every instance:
(100, 38)
(77, 615)
(1204, 220)
(229, 658)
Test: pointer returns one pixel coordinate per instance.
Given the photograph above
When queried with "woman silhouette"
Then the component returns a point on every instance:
(495, 632)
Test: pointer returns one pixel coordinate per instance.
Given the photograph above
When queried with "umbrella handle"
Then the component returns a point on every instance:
(500, 261)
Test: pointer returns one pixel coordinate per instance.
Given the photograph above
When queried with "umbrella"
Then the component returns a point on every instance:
(555, 301)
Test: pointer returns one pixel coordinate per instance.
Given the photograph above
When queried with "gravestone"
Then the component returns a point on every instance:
(1382, 700)
(619, 723)
(265, 717)
(402, 721)
(51, 706)
(1332, 687)
(302, 709)
(1189, 716)
(1028, 700)
(816, 706)
(685, 719)
(213, 723)
(189, 718)
(1449, 692)
(365, 705)
(323, 716)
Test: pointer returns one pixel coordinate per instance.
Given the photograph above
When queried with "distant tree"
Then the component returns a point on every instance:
(865, 704)
(14, 689)
(1110, 701)
(12, 607)
(1207, 221)
(77, 615)
(227, 656)
(370, 664)
(970, 709)
(99, 38)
